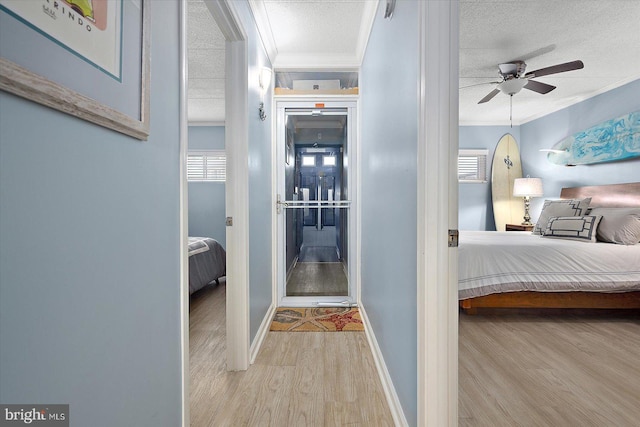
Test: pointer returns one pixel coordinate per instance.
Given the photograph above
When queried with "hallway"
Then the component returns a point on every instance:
(318, 278)
(298, 379)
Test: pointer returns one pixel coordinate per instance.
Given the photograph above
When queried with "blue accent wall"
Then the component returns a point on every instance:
(89, 255)
(207, 199)
(475, 207)
(388, 159)
(546, 131)
(260, 207)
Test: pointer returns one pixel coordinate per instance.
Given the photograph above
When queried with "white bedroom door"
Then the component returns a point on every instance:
(315, 170)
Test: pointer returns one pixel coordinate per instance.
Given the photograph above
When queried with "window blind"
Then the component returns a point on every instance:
(207, 166)
(472, 165)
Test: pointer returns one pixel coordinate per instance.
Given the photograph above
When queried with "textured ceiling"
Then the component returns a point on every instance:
(332, 34)
(603, 34)
(206, 57)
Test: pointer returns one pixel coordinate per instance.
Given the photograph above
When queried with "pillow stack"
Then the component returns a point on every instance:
(573, 227)
(618, 225)
(570, 219)
(557, 208)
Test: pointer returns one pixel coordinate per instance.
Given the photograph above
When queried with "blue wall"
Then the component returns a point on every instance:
(389, 134)
(260, 206)
(475, 212)
(475, 209)
(89, 255)
(206, 199)
(546, 131)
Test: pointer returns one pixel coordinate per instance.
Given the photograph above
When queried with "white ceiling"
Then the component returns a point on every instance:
(332, 34)
(206, 64)
(604, 34)
(314, 33)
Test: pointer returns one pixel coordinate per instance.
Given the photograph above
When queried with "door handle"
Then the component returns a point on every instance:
(280, 204)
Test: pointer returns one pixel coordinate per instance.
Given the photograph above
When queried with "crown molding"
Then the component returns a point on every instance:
(261, 18)
(316, 61)
(366, 24)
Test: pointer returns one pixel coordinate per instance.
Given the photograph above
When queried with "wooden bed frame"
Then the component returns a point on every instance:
(617, 195)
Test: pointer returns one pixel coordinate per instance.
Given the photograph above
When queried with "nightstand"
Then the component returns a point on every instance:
(519, 227)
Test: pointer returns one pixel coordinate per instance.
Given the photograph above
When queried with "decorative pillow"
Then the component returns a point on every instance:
(573, 227)
(568, 207)
(618, 225)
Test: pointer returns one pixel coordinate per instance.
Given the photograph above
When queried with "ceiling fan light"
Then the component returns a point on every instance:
(512, 86)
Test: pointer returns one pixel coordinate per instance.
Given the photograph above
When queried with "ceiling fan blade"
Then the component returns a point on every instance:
(539, 87)
(489, 96)
(479, 84)
(554, 69)
(535, 53)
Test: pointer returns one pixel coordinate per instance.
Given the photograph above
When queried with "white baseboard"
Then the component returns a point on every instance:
(387, 385)
(262, 333)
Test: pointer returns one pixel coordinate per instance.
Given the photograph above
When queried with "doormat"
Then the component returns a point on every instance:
(324, 319)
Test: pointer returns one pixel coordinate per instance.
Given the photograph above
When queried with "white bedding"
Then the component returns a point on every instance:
(498, 261)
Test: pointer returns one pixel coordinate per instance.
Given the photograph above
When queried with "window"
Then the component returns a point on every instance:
(308, 160)
(328, 160)
(209, 166)
(472, 165)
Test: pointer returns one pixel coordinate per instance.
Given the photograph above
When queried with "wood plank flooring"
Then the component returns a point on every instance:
(299, 379)
(516, 368)
(549, 368)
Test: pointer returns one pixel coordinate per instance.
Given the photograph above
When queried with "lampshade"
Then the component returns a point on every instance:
(527, 187)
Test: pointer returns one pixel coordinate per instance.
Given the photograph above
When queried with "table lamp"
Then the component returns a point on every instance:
(527, 188)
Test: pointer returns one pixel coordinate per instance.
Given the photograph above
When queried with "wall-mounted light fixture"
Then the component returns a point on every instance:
(265, 82)
(527, 188)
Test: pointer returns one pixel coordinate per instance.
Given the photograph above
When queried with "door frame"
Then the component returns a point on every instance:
(184, 219)
(437, 214)
(237, 182)
(279, 258)
(236, 193)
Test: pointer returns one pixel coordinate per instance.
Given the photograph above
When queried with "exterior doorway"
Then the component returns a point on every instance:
(315, 168)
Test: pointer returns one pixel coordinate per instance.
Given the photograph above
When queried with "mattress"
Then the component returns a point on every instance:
(494, 262)
(207, 262)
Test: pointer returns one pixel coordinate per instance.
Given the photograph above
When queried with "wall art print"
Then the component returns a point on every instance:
(85, 58)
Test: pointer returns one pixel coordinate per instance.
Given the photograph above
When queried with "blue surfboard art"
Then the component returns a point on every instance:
(615, 139)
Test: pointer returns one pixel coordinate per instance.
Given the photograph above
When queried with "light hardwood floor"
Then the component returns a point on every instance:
(299, 378)
(516, 368)
(549, 368)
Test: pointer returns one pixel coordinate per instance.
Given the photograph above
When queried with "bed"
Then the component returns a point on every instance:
(207, 262)
(517, 269)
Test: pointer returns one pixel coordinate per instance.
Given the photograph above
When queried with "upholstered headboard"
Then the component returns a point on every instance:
(612, 196)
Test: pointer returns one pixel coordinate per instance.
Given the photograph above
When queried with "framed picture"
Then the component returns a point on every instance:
(87, 58)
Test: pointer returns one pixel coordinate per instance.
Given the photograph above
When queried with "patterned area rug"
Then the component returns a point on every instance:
(325, 319)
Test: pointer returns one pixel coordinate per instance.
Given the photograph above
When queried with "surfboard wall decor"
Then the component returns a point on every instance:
(505, 168)
(615, 139)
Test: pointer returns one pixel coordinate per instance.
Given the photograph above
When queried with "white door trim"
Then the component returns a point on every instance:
(307, 102)
(237, 184)
(184, 219)
(237, 194)
(437, 213)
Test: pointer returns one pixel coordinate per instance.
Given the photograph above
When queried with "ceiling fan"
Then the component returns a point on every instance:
(514, 78)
